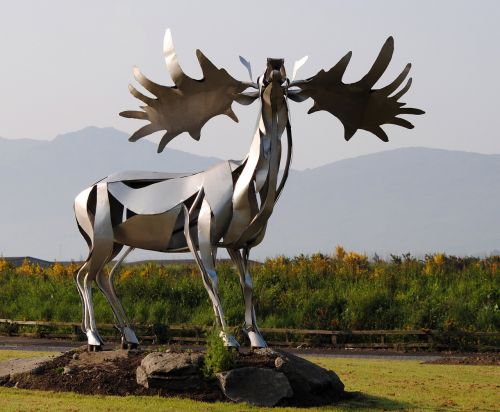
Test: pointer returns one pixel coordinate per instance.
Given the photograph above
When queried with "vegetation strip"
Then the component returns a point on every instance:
(343, 292)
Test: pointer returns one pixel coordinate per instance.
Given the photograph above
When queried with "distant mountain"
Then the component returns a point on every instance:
(40, 179)
(416, 199)
(406, 200)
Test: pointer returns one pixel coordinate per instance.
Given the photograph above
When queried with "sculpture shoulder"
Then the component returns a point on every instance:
(140, 175)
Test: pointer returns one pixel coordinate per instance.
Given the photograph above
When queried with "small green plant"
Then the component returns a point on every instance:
(218, 358)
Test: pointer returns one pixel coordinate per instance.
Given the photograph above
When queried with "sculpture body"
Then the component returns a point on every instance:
(228, 205)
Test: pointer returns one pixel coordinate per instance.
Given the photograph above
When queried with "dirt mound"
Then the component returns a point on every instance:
(102, 373)
(115, 372)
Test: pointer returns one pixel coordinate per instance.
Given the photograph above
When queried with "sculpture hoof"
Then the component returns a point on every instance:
(128, 336)
(229, 340)
(256, 340)
(128, 345)
(93, 339)
(94, 348)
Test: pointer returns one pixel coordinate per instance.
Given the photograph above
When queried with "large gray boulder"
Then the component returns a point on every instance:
(256, 386)
(262, 377)
(172, 371)
(311, 384)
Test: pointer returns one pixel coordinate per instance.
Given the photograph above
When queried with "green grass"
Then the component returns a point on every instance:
(384, 385)
(12, 354)
(411, 385)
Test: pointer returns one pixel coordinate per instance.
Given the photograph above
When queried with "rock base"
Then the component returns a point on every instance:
(264, 377)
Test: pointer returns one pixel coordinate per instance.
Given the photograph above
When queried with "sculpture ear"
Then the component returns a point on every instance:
(247, 64)
(297, 65)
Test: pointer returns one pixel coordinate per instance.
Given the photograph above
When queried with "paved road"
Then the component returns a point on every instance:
(48, 345)
(12, 367)
(52, 345)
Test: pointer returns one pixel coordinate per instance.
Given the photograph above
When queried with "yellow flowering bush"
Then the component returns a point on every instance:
(4, 265)
(26, 268)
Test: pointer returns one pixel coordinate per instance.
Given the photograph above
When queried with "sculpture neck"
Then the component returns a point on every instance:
(256, 189)
(272, 123)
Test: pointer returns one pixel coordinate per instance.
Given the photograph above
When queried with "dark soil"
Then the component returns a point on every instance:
(469, 359)
(115, 376)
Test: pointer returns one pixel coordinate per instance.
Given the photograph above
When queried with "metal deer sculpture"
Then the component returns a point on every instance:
(228, 205)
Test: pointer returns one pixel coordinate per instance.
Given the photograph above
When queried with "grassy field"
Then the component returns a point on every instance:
(17, 354)
(384, 385)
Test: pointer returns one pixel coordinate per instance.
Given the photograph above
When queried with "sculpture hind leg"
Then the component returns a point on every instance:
(85, 227)
(206, 264)
(240, 259)
(102, 252)
(106, 284)
(79, 277)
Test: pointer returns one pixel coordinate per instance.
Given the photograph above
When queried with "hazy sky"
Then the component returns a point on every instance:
(66, 64)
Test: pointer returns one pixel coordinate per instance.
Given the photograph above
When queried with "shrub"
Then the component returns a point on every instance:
(218, 357)
(344, 291)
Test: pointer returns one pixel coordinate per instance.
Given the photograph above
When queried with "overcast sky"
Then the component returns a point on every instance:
(65, 65)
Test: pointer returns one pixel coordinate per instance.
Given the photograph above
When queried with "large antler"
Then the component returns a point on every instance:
(357, 105)
(188, 105)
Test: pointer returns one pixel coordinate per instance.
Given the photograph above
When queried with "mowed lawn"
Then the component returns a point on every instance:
(383, 385)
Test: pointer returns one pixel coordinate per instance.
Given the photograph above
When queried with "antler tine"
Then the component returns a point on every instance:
(403, 91)
(144, 131)
(138, 95)
(410, 110)
(401, 122)
(391, 87)
(134, 114)
(166, 138)
(379, 132)
(380, 65)
(171, 58)
(339, 69)
(207, 67)
(146, 83)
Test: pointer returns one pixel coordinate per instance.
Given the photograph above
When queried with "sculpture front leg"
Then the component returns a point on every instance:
(251, 329)
(106, 284)
(206, 264)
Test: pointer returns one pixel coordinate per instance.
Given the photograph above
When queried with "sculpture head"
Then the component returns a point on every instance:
(275, 71)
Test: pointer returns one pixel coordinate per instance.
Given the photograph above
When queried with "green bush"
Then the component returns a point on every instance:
(341, 292)
(218, 357)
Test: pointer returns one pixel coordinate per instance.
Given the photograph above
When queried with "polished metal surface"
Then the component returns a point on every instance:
(188, 105)
(357, 105)
(229, 204)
